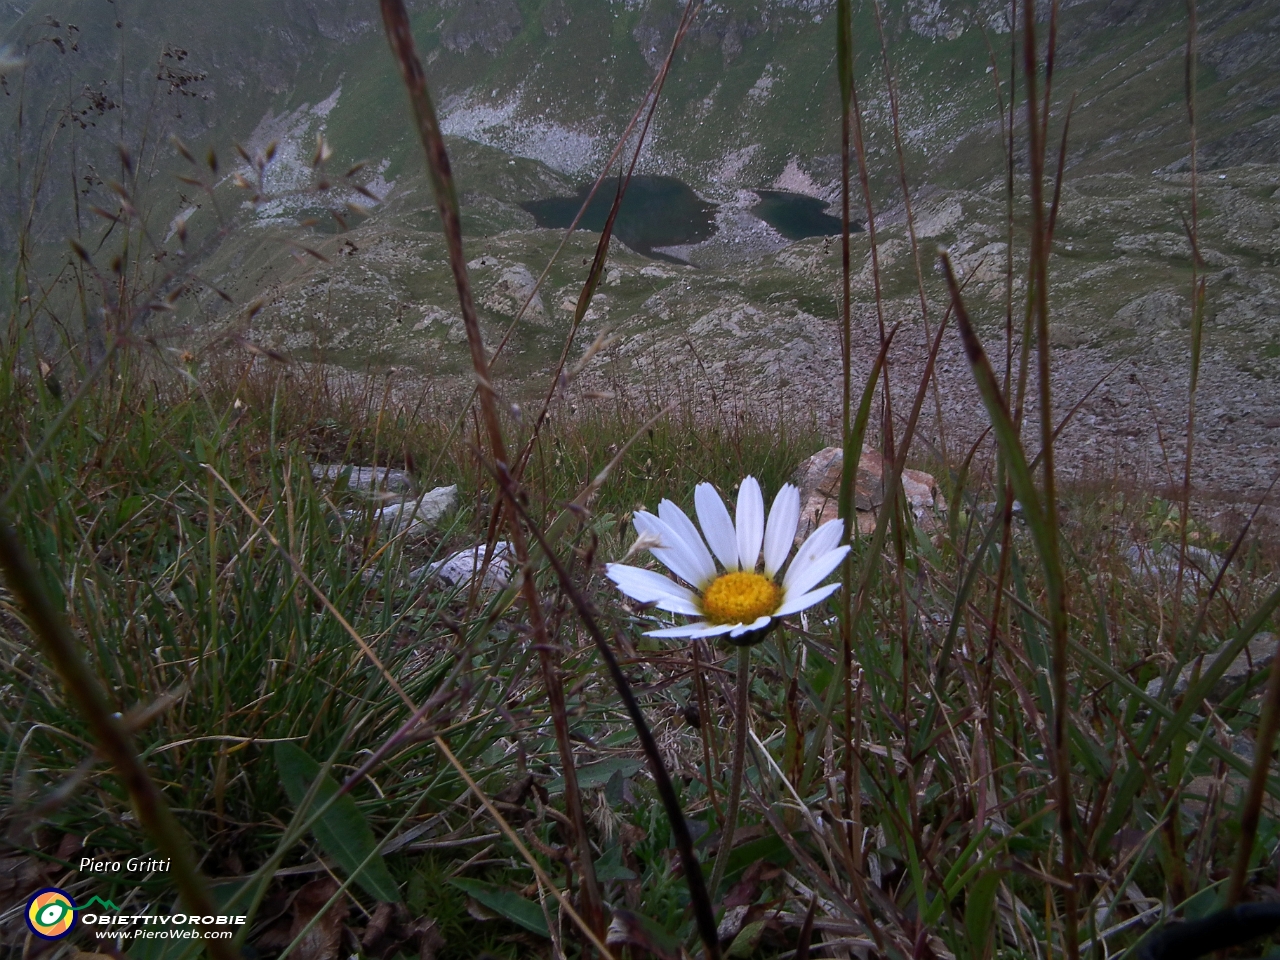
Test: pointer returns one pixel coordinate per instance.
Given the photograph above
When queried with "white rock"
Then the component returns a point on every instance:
(365, 478)
(1161, 564)
(459, 569)
(418, 515)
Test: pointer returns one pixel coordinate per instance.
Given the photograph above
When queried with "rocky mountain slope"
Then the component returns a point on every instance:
(534, 93)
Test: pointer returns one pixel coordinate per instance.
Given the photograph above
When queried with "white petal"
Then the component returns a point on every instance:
(649, 587)
(713, 629)
(694, 630)
(673, 551)
(820, 541)
(804, 600)
(696, 547)
(716, 525)
(756, 624)
(750, 522)
(681, 606)
(784, 516)
(808, 576)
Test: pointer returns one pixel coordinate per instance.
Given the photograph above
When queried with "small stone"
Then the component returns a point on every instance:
(369, 479)
(1161, 565)
(418, 515)
(819, 481)
(459, 569)
(731, 924)
(1256, 656)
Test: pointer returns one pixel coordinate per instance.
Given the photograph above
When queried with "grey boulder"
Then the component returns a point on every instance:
(368, 479)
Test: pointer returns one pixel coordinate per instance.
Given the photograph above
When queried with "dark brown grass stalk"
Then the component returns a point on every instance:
(701, 901)
(741, 724)
(1006, 518)
(649, 100)
(1268, 724)
(706, 729)
(596, 271)
(850, 611)
(1009, 195)
(1040, 240)
(691, 9)
(851, 118)
(400, 36)
(1035, 512)
(113, 740)
(844, 51)
(1197, 313)
(911, 220)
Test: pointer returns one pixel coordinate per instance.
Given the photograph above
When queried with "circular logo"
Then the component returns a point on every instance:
(51, 913)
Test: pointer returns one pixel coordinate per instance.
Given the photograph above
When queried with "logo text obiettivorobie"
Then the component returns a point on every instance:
(52, 914)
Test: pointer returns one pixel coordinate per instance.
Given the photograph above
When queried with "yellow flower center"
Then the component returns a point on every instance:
(740, 597)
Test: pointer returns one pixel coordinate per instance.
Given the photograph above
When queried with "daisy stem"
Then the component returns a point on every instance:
(740, 727)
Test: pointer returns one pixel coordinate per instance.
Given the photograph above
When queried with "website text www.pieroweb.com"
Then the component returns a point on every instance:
(151, 926)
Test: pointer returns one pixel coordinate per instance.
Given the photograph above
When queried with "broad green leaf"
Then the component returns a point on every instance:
(748, 938)
(506, 903)
(770, 848)
(598, 774)
(341, 830)
(980, 913)
(611, 867)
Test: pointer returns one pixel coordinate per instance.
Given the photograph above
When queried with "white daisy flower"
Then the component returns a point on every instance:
(741, 596)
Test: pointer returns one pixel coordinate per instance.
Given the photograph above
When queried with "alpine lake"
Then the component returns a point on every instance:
(661, 211)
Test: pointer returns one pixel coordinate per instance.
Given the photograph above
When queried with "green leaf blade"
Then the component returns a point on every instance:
(342, 831)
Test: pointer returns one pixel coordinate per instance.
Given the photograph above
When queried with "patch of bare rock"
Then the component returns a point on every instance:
(819, 481)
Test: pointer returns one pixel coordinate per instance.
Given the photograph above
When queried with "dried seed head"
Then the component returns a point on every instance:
(603, 340)
(9, 61)
(646, 541)
(323, 151)
(182, 149)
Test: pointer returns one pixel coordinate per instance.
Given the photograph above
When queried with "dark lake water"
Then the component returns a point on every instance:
(656, 212)
(796, 216)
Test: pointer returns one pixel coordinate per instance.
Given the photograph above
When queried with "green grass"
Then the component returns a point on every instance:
(171, 594)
